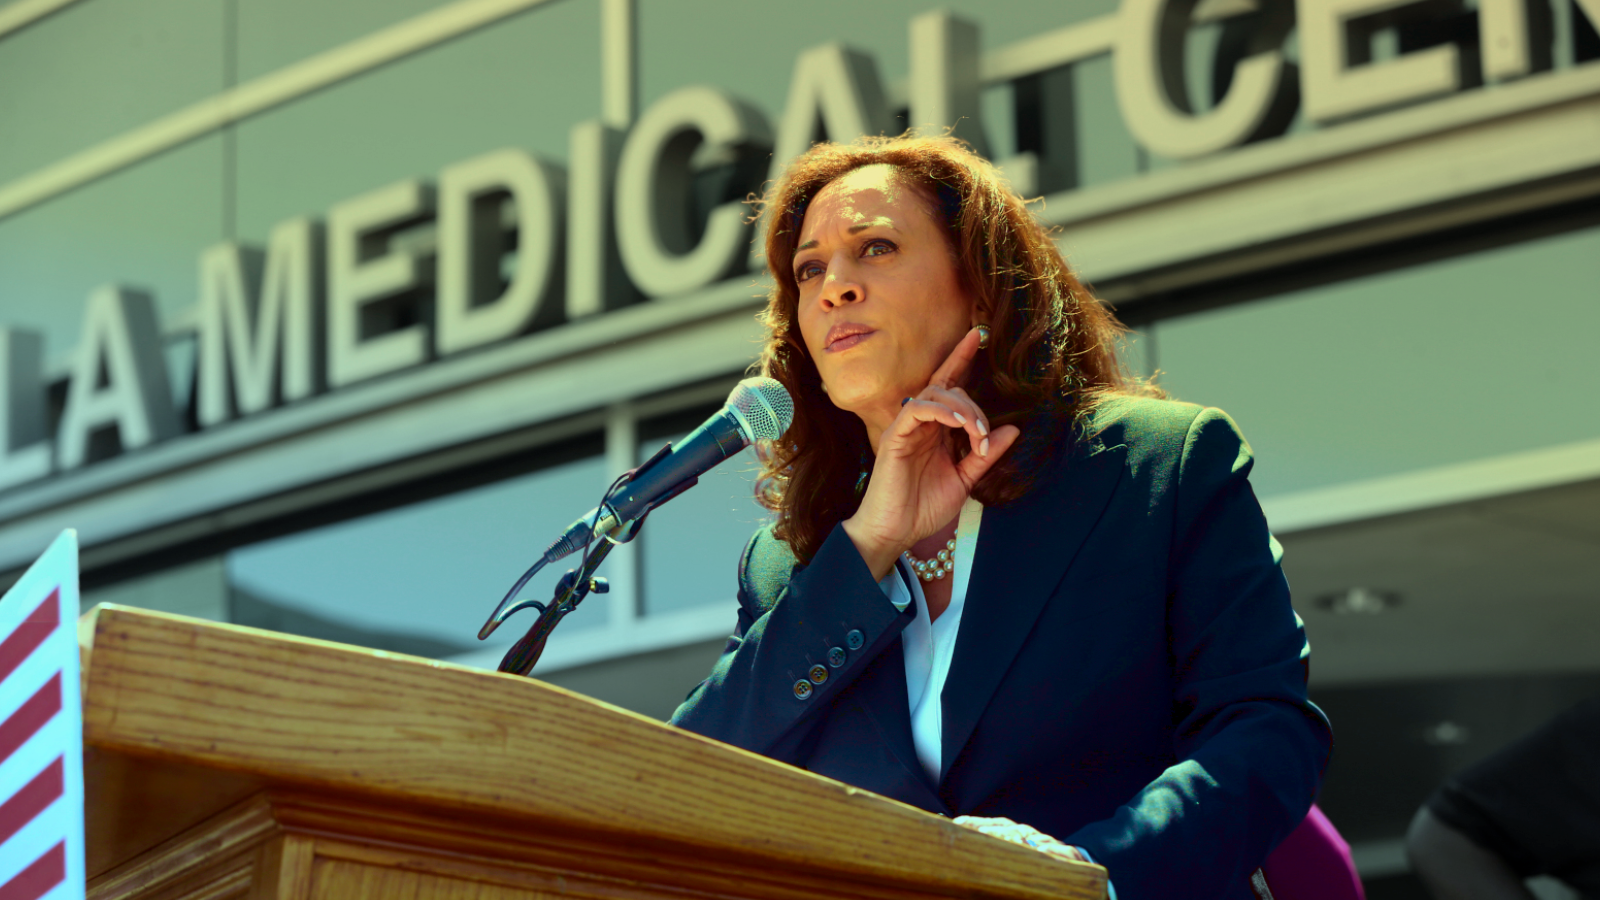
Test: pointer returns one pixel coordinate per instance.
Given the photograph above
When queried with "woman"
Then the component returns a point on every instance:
(1105, 651)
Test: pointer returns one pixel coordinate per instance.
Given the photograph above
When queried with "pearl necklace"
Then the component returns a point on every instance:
(937, 566)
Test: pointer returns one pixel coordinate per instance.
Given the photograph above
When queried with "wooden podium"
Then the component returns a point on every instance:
(226, 762)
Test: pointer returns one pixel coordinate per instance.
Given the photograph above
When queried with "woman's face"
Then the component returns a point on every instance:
(881, 303)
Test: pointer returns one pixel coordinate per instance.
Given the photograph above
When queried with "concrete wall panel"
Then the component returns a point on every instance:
(740, 45)
(523, 83)
(96, 69)
(1457, 360)
(144, 226)
(276, 33)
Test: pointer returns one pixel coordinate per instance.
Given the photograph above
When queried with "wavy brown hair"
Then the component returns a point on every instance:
(1051, 357)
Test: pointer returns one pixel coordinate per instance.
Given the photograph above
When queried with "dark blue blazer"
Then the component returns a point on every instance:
(1128, 676)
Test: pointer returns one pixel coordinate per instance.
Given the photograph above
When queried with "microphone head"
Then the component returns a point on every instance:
(763, 407)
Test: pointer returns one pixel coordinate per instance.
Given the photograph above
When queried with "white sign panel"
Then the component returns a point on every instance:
(41, 731)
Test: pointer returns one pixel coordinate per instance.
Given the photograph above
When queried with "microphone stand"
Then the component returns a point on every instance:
(570, 591)
(575, 585)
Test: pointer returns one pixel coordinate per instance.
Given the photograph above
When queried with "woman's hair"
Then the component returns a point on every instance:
(1051, 356)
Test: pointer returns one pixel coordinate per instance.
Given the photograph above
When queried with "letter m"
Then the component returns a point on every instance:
(259, 324)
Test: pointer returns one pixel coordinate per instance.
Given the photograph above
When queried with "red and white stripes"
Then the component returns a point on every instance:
(41, 732)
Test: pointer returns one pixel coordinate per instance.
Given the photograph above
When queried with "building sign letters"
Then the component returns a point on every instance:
(507, 243)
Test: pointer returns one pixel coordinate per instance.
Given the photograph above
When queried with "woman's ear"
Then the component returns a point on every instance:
(981, 313)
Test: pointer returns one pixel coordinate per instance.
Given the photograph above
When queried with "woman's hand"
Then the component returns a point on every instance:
(916, 489)
(1026, 835)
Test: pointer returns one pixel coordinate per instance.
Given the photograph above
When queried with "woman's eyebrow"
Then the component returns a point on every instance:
(853, 229)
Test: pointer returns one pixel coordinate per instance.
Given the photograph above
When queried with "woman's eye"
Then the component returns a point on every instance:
(806, 271)
(877, 247)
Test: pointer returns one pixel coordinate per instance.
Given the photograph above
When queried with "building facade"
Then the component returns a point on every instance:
(326, 317)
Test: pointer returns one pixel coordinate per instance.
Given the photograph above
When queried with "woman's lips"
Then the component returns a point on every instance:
(843, 337)
(845, 343)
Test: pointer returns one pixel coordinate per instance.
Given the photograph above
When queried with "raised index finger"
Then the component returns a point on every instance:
(954, 368)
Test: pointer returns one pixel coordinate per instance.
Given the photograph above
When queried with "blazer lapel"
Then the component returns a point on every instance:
(1024, 549)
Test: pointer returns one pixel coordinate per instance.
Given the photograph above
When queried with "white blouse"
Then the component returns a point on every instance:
(928, 645)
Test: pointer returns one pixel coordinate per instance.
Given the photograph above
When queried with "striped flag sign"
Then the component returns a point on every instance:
(41, 731)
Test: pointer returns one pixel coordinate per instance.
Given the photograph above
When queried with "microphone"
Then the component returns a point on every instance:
(758, 409)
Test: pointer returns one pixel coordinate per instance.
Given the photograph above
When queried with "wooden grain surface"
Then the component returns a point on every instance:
(136, 803)
(213, 860)
(286, 845)
(340, 880)
(284, 868)
(424, 734)
(519, 855)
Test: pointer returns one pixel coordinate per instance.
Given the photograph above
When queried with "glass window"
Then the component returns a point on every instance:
(197, 589)
(421, 578)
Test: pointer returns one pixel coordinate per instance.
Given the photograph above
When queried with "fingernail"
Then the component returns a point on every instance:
(960, 418)
(982, 428)
(983, 448)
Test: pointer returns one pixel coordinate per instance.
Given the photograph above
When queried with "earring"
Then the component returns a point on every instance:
(983, 337)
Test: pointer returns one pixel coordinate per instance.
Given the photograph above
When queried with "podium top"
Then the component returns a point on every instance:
(225, 708)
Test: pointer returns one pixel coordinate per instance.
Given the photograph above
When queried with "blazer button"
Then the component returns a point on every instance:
(818, 674)
(836, 657)
(855, 640)
(802, 690)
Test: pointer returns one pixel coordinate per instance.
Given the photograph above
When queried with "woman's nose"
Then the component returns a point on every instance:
(838, 289)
